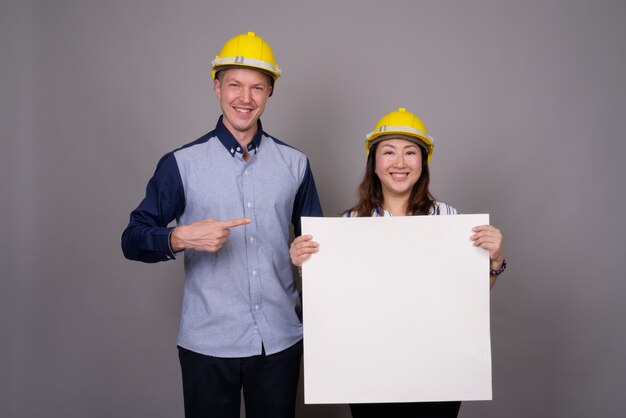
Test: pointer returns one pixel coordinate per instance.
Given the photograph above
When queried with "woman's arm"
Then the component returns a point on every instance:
(490, 238)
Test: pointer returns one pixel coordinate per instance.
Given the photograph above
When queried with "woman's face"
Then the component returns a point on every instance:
(398, 166)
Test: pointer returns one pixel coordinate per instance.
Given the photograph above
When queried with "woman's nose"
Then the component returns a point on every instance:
(399, 161)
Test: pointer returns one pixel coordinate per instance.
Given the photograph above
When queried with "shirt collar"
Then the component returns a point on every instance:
(230, 143)
(381, 212)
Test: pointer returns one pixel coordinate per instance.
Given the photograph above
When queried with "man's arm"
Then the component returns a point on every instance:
(147, 236)
(307, 202)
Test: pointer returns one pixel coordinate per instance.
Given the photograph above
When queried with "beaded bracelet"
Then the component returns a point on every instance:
(500, 269)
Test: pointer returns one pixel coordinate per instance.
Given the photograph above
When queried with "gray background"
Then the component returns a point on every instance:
(526, 101)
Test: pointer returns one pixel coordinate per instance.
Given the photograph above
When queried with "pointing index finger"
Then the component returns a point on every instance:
(230, 223)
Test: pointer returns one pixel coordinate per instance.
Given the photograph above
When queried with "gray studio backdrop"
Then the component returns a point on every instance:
(526, 101)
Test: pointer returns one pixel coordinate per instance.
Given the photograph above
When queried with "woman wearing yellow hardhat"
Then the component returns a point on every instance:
(395, 183)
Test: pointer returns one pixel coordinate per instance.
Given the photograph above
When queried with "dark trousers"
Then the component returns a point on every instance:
(212, 385)
(406, 410)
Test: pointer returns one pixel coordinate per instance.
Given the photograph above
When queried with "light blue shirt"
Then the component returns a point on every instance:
(243, 296)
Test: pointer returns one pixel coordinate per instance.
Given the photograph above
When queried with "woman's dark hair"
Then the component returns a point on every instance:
(371, 192)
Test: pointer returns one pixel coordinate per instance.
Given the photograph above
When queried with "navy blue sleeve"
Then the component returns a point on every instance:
(146, 238)
(307, 202)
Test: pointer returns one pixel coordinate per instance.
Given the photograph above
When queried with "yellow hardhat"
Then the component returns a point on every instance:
(401, 124)
(246, 50)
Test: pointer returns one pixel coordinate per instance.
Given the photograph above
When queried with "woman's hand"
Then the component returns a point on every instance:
(301, 249)
(490, 238)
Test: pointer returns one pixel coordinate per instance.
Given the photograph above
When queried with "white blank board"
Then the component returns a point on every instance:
(396, 309)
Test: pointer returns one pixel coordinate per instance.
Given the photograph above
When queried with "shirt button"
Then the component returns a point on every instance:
(247, 172)
(256, 307)
(249, 204)
(238, 149)
(251, 239)
(254, 272)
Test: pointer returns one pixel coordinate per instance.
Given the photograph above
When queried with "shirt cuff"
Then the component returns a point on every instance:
(167, 244)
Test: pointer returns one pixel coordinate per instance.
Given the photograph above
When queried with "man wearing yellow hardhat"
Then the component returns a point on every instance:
(233, 193)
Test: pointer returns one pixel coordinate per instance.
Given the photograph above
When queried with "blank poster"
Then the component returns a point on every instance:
(396, 309)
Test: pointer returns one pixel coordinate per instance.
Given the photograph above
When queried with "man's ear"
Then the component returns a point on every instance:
(217, 87)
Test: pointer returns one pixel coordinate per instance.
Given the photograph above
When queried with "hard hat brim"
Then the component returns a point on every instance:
(235, 67)
(233, 62)
(413, 139)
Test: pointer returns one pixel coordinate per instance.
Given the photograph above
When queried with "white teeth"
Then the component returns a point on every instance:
(399, 176)
(243, 110)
